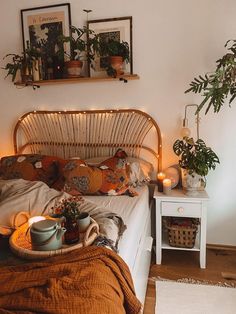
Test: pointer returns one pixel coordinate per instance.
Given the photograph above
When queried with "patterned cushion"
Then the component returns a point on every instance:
(109, 178)
(32, 167)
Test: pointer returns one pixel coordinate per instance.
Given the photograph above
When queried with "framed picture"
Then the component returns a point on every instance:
(44, 24)
(119, 29)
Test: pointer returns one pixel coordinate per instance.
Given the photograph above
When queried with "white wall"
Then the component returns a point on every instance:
(173, 41)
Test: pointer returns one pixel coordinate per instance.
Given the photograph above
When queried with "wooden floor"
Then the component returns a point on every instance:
(183, 264)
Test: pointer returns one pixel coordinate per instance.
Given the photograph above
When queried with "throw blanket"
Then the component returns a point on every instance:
(91, 280)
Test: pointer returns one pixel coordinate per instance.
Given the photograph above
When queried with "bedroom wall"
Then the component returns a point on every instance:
(173, 41)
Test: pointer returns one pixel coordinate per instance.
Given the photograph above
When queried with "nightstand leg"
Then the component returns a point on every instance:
(158, 235)
(203, 237)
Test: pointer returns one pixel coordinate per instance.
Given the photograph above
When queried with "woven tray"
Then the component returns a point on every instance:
(21, 246)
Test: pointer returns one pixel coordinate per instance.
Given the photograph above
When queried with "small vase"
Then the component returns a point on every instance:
(84, 222)
(72, 231)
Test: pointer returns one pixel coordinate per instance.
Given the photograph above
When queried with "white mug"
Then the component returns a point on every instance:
(83, 221)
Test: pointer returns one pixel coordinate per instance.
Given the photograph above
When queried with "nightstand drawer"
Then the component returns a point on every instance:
(181, 209)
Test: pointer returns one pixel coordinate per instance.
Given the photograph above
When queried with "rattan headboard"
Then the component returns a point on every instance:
(91, 133)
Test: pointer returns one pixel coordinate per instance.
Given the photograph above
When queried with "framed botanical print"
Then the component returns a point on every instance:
(118, 29)
(42, 25)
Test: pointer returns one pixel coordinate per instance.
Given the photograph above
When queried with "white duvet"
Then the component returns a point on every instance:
(36, 198)
(32, 197)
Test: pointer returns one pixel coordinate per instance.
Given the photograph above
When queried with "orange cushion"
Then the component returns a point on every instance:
(32, 167)
(109, 178)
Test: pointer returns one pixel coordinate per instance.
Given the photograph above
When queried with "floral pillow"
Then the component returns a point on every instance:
(108, 178)
(139, 170)
(32, 167)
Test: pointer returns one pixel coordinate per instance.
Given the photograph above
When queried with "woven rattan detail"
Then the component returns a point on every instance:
(21, 246)
(182, 237)
(93, 133)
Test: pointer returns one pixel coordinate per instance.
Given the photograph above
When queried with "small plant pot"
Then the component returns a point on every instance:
(73, 68)
(117, 64)
(191, 183)
(26, 76)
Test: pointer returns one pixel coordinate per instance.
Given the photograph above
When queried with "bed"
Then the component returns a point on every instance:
(98, 134)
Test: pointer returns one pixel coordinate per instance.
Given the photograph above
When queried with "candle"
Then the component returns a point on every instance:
(160, 177)
(166, 186)
(35, 219)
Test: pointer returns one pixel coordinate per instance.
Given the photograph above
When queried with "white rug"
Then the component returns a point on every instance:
(185, 298)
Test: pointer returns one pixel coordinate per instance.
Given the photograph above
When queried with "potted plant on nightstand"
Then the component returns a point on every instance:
(83, 45)
(196, 159)
(117, 53)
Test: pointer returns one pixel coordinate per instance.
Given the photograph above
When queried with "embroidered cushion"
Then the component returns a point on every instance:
(108, 178)
(139, 170)
(32, 167)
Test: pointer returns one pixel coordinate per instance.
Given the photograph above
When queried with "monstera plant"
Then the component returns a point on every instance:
(220, 84)
(196, 159)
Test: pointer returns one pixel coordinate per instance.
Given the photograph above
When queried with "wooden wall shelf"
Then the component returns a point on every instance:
(123, 78)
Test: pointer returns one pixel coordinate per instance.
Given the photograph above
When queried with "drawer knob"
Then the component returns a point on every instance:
(180, 210)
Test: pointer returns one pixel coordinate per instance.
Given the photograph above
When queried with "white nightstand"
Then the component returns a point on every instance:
(178, 204)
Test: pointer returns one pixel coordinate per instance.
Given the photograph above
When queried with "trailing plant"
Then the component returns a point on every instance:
(195, 156)
(13, 66)
(21, 61)
(220, 84)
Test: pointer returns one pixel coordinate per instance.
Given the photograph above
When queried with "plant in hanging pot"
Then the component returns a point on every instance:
(117, 53)
(196, 159)
(83, 45)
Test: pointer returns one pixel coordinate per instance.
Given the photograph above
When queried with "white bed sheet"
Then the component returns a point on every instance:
(134, 211)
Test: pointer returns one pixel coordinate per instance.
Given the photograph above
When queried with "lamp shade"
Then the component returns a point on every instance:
(185, 132)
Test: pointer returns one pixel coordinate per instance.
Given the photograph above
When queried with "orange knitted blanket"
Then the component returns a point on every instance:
(92, 280)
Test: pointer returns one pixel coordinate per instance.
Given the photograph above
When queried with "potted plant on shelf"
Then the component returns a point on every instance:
(220, 84)
(196, 159)
(14, 66)
(83, 45)
(117, 53)
(23, 63)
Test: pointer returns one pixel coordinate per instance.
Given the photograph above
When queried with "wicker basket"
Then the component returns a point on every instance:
(182, 236)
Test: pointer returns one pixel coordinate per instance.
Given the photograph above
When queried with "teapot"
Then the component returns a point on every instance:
(46, 235)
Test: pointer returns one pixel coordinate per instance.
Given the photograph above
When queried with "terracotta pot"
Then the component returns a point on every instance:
(74, 68)
(117, 64)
